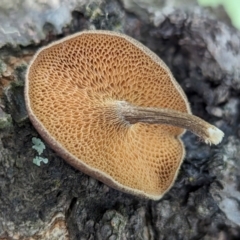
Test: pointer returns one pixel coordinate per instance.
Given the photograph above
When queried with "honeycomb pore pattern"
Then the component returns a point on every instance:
(72, 87)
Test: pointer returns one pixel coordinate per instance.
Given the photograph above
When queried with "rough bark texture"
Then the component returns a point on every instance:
(55, 201)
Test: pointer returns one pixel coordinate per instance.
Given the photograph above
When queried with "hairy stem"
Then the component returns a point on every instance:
(198, 126)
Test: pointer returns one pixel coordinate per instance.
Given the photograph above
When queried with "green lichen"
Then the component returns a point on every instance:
(94, 11)
(37, 160)
(38, 145)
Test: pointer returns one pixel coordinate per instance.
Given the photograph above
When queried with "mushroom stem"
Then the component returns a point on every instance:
(134, 114)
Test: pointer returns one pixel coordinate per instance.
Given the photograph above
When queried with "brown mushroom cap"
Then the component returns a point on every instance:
(72, 90)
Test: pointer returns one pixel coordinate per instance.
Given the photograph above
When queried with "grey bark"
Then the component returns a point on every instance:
(55, 201)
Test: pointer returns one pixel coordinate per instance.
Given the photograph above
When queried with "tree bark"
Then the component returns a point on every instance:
(55, 201)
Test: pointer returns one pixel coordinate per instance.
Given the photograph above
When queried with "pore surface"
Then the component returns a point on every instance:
(73, 87)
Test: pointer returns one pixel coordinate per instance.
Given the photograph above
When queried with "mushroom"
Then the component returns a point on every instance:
(111, 108)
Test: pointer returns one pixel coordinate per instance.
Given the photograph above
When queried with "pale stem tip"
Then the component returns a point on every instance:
(215, 135)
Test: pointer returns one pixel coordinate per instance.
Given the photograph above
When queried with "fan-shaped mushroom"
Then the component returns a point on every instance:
(111, 108)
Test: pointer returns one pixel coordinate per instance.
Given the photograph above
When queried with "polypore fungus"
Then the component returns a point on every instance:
(112, 109)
